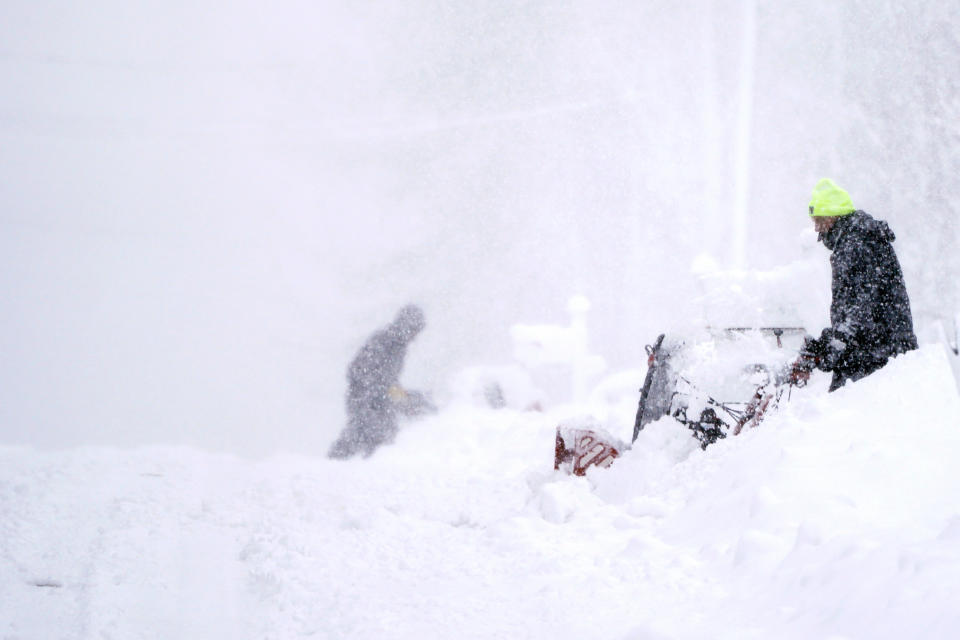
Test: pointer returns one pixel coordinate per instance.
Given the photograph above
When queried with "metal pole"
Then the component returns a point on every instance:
(744, 127)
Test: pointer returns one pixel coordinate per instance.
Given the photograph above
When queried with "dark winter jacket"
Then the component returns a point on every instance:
(374, 395)
(870, 311)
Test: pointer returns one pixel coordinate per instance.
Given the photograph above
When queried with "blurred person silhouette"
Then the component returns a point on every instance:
(870, 311)
(374, 394)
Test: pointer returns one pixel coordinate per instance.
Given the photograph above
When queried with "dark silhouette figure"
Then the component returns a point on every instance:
(374, 395)
(870, 313)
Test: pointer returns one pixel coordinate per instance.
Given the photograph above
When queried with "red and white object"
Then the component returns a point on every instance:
(577, 449)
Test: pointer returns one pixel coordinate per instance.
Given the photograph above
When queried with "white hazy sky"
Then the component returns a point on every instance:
(203, 212)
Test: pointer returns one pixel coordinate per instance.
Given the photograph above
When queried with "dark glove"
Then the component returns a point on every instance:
(812, 349)
(832, 345)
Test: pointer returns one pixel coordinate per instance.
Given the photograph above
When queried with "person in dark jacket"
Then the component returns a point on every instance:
(374, 395)
(870, 312)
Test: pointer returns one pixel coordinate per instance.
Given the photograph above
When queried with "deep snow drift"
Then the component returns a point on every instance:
(837, 517)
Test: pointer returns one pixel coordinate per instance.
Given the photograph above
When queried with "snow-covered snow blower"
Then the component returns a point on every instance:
(745, 370)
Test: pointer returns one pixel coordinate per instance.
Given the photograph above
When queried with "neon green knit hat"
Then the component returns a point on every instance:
(830, 200)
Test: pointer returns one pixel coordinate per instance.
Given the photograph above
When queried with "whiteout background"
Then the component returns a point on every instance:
(205, 208)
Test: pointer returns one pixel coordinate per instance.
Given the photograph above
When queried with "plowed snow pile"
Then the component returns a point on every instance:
(838, 517)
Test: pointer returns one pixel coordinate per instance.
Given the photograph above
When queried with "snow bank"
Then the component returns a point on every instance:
(834, 517)
(837, 517)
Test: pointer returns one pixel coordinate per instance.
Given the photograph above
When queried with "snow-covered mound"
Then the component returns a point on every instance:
(837, 517)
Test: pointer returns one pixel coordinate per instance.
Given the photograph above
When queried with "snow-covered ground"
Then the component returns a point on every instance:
(837, 518)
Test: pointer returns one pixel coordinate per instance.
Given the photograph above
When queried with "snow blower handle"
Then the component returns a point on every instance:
(799, 372)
